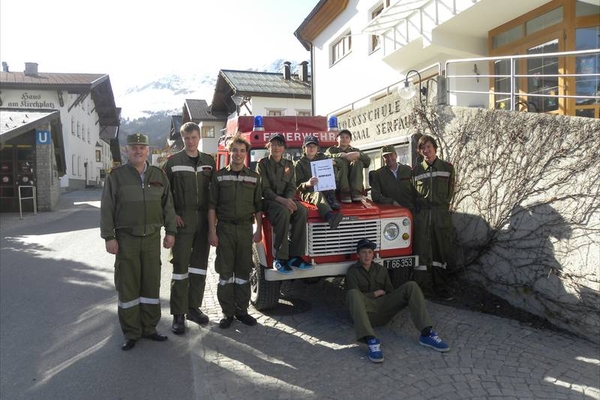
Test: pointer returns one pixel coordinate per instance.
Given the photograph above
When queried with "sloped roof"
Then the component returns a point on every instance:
(198, 110)
(97, 84)
(270, 84)
(254, 83)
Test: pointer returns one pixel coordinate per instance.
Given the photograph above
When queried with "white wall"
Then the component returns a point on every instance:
(290, 107)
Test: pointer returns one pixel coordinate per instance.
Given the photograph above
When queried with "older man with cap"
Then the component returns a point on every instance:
(282, 209)
(373, 301)
(305, 181)
(350, 162)
(136, 203)
(392, 183)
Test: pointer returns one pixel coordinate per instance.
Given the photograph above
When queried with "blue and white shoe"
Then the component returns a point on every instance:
(282, 267)
(299, 263)
(433, 341)
(375, 355)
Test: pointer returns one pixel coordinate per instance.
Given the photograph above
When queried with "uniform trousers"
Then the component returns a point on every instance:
(369, 312)
(137, 280)
(234, 264)
(350, 175)
(280, 218)
(318, 199)
(189, 257)
(433, 244)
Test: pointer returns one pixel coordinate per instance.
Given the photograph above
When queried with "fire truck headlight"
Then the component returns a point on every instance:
(391, 231)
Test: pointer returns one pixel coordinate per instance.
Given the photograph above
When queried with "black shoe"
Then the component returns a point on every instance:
(225, 322)
(333, 202)
(157, 337)
(178, 326)
(334, 220)
(128, 344)
(246, 319)
(197, 316)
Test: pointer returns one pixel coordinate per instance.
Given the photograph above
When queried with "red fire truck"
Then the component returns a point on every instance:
(331, 251)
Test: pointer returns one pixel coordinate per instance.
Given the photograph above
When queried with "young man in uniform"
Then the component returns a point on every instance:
(136, 203)
(189, 172)
(305, 181)
(434, 181)
(350, 162)
(235, 203)
(392, 183)
(373, 301)
(279, 193)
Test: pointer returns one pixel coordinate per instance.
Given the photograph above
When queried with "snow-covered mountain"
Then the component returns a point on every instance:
(167, 93)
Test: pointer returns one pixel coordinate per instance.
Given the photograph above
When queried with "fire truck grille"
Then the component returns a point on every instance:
(323, 241)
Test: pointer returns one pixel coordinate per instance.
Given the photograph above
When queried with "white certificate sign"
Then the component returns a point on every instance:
(323, 170)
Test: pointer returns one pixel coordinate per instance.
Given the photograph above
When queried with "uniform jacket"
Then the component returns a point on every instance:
(434, 184)
(277, 178)
(189, 183)
(368, 281)
(304, 172)
(235, 197)
(387, 188)
(136, 207)
(336, 152)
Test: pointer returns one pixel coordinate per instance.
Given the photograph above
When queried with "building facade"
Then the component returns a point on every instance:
(84, 136)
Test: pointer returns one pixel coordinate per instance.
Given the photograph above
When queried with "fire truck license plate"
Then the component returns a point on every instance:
(399, 263)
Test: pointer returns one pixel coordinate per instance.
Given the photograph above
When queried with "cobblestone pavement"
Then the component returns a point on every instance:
(305, 349)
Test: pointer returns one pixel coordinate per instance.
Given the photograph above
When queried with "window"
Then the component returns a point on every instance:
(341, 48)
(376, 39)
(78, 130)
(98, 156)
(88, 134)
(303, 113)
(208, 131)
(79, 166)
(543, 21)
(275, 113)
(72, 126)
(73, 165)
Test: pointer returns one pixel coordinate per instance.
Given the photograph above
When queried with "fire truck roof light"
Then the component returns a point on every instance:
(258, 123)
(332, 123)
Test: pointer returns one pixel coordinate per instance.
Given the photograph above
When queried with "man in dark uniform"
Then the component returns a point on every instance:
(136, 203)
(279, 193)
(434, 182)
(350, 163)
(189, 172)
(373, 301)
(235, 202)
(392, 183)
(305, 182)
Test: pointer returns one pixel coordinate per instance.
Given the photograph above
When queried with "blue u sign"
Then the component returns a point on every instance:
(42, 137)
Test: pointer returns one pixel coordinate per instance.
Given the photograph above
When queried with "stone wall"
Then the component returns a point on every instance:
(47, 182)
(526, 208)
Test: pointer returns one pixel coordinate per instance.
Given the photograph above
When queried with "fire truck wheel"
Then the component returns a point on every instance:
(264, 294)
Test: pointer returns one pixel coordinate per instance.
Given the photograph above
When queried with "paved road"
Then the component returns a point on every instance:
(60, 338)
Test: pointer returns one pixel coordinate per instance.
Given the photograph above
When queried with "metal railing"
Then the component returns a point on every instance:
(33, 197)
(514, 95)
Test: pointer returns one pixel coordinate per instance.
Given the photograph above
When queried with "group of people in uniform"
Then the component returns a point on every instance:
(199, 207)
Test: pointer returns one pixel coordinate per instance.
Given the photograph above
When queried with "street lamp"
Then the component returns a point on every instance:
(406, 90)
(237, 100)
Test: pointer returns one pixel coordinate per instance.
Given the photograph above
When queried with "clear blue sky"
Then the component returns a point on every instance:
(134, 40)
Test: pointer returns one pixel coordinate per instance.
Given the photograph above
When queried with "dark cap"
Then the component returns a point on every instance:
(311, 140)
(277, 136)
(389, 149)
(365, 243)
(137, 138)
(346, 131)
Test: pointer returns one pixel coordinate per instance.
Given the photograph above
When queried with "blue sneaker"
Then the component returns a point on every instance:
(375, 354)
(434, 342)
(282, 267)
(299, 263)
